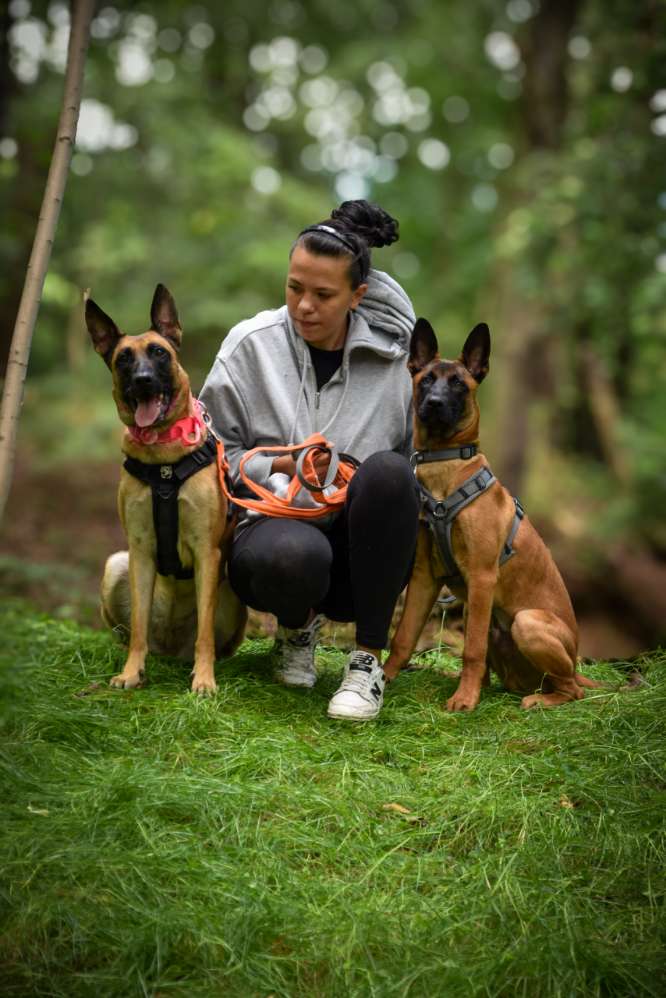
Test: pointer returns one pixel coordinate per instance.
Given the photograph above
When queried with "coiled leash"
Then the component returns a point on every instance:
(440, 513)
(329, 494)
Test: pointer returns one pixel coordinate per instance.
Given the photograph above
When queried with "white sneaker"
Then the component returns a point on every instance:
(361, 693)
(294, 652)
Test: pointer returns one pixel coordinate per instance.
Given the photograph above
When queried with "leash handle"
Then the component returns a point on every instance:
(340, 472)
(308, 455)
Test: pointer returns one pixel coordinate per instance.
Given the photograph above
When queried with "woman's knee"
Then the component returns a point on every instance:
(388, 474)
(281, 554)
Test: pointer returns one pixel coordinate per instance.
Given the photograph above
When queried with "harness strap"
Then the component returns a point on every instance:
(508, 549)
(165, 481)
(440, 514)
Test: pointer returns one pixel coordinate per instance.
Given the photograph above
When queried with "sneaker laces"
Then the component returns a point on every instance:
(359, 677)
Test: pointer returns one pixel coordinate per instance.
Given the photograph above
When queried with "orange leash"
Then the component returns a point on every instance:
(341, 471)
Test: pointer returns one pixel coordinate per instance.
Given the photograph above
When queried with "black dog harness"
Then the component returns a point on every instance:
(440, 513)
(165, 481)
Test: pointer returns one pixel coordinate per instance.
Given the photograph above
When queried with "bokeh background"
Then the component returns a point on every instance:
(520, 143)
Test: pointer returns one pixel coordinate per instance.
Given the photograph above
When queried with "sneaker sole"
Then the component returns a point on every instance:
(340, 716)
(296, 684)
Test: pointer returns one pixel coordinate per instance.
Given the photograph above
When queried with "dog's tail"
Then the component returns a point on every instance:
(630, 667)
(591, 684)
(634, 680)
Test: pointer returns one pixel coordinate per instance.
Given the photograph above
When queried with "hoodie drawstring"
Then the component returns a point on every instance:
(301, 394)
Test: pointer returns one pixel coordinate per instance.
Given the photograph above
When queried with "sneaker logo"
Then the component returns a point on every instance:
(300, 640)
(364, 657)
(357, 667)
(376, 691)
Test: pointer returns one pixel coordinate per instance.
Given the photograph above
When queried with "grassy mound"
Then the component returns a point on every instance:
(157, 844)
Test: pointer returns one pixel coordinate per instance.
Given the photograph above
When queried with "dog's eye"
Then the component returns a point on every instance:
(427, 379)
(157, 351)
(456, 382)
(125, 357)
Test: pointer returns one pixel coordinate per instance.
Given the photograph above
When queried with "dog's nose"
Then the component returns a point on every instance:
(433, 404)
(143, 383)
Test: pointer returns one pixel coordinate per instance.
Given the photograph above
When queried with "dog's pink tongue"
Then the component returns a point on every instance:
(147, 412)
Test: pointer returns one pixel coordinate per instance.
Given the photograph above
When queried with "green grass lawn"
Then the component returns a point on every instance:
(158, 844)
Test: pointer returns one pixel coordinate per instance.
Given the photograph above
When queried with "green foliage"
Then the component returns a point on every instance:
(153, 842)
(250, 122)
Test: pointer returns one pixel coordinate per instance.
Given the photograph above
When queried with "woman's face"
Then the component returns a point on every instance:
(319, 297)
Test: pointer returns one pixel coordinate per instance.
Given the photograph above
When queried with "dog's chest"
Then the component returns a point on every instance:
(200, 521)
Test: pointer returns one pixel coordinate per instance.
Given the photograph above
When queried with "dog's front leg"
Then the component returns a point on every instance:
(480, 589)
(206, 574)
(142, 582)
(421, 595)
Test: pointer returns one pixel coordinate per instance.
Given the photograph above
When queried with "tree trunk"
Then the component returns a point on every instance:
(41, 251)
(545, 104)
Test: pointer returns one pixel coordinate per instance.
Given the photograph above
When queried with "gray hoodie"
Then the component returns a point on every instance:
(262, 390)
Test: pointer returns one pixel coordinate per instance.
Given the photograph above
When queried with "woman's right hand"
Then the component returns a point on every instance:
(286, 465)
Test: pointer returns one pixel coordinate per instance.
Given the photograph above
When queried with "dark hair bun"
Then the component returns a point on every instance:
(374, 225)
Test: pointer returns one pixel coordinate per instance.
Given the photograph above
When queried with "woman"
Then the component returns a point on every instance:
(332, 360)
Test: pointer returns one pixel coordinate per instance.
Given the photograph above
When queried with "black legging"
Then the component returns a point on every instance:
(353, 571)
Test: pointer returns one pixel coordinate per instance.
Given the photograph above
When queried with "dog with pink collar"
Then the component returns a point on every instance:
(168, 593)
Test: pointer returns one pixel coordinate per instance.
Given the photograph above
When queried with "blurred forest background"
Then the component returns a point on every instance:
(521, 144)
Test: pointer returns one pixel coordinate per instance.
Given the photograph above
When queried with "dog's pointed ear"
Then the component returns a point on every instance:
(164, 317)
(476, 352)
(103, 331)
(423, 347)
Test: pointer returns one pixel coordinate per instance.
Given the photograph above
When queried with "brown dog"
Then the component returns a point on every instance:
(518, 616)
(165, 593)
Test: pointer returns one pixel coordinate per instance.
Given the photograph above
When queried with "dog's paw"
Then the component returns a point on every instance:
(128, 680)
(535, 700)
(462, 700)
(204, 686)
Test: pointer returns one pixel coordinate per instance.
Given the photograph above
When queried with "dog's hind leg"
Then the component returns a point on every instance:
(115, 595)
(550, 645)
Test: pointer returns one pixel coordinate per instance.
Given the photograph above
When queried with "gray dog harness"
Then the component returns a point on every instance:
(440, 513)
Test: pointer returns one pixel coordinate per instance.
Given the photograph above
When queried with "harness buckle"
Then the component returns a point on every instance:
(467, 451)
(439, 510)
(166, 471)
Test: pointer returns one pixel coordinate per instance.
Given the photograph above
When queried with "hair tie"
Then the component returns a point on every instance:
(329, 230)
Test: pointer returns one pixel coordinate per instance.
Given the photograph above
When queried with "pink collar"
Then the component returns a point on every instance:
(191, 429)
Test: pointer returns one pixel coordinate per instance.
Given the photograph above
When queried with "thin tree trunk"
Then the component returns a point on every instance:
(545, 105)
(82, 12)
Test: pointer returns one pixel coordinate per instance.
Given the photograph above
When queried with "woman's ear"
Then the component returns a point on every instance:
(358, 296)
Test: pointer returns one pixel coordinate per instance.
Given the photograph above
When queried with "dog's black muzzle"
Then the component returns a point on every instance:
(441, 408)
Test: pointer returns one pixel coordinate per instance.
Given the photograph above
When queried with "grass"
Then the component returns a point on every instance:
(158, 844)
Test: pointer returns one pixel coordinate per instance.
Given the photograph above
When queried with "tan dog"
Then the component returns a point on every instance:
(519, 620)
(167, 596)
